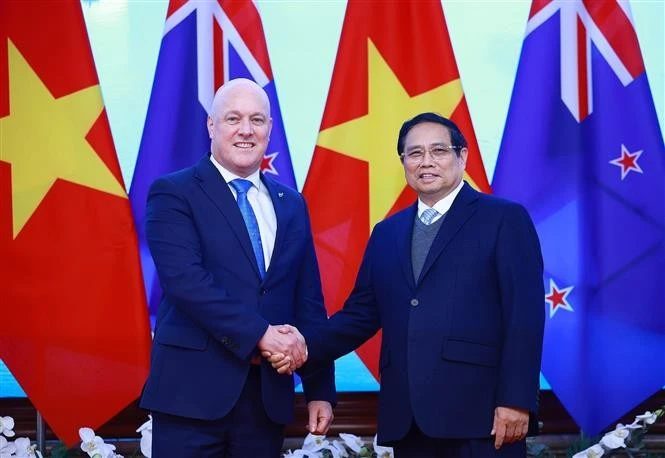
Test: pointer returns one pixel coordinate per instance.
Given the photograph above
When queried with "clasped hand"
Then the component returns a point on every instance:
(284, 348)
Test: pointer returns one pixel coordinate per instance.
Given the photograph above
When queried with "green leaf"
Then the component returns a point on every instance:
(365, 452)
(59, 451)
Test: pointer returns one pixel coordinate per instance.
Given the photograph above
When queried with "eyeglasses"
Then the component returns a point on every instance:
(437, 153)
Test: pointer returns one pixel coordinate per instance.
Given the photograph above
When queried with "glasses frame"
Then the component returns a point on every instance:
(448, 150)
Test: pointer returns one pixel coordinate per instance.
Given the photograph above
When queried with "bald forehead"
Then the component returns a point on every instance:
(239, 88)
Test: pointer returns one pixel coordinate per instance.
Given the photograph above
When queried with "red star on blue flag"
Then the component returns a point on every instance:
(267, 163)
(557, 298)
(627, 161)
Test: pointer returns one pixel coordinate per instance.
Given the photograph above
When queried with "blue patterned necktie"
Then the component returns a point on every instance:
(428, 216)
(242, 186)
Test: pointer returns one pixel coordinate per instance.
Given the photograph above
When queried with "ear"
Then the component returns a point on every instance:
(210, 124)
(464, 154)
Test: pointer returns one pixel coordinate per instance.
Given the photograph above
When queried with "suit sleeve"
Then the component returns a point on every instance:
(520, 274)
(354, 324)
(318, 382)
(176, 249)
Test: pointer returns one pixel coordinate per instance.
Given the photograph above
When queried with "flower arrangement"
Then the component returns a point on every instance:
(93, 445)
(626, 438)
(20, 447)
(349, 446)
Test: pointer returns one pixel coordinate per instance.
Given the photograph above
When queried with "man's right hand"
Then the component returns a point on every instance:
(284, 347)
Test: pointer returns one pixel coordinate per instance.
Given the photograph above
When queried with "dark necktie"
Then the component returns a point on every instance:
(242, 186)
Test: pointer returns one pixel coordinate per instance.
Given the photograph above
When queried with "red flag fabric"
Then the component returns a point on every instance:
(395, 60)
(75, 330)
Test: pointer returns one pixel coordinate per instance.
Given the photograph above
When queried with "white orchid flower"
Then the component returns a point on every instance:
(341, 450)
(353, 442)
(108, 451)
(147, 426)
(90, 443)
(592, 452)
(647, 417)
(295, 453)
(7, 449)
(382, 452)
(146, 444)
(6, 426)
(24, 449)
(95, 446)
(146, 437)
(632, 426)
(615, 439)
(314, 443)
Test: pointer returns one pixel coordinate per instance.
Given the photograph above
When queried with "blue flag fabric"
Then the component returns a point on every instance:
(583, 151)
(201, 43)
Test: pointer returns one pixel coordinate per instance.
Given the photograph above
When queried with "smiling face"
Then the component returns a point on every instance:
(239, 126)
(432, 179)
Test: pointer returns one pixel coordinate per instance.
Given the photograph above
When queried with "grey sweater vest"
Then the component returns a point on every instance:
(421, 242)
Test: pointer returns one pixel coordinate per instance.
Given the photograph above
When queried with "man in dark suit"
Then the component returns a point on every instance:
(455, 283)
(235, 257)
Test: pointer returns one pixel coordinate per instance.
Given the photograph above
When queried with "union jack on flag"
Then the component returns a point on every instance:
(604, 24)
(205, 43)
(583, 151)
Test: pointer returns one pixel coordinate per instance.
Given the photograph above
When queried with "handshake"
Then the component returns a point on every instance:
(284, 348)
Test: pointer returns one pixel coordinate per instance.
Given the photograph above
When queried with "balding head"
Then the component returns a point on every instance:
(239, 125)
(235, 86)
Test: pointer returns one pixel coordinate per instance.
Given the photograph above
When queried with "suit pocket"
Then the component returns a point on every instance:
(465, 351)
(182, 336)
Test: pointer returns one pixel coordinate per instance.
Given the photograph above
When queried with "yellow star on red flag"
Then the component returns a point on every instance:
(366, 138)
(43, 139)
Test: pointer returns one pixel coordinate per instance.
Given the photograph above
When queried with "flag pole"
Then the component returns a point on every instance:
(40, 433)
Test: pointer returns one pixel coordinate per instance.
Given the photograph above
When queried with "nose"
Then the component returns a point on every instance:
(427, 160)
(245, 127)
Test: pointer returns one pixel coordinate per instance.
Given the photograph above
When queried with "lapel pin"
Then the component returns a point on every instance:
(280, 194)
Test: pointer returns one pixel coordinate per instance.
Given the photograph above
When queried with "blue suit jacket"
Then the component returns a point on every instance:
(215, 306)
(463, 339)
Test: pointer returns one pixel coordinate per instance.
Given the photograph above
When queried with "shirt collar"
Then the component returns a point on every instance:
(444, 204)
(255, 177)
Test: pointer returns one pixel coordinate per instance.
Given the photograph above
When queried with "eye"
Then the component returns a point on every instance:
(232, 119)
(258, 121)
(415, 154)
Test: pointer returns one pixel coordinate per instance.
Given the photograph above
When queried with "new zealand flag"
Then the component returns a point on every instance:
(582, 150)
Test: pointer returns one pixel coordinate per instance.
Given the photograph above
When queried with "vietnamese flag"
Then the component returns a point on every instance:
(75, 329)
(394, 61)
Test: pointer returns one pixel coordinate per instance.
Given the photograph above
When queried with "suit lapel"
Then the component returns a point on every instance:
(403, 237)
(460, 211)
(215, 187)
(283, 214)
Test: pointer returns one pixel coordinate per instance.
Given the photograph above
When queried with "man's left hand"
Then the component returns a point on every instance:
(510, 425)
(320, 417)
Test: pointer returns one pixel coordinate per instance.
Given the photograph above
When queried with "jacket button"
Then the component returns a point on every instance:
(263, 291)
(414, 302)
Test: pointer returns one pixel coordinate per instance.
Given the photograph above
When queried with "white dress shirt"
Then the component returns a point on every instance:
(441, 206)
(259, 199)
